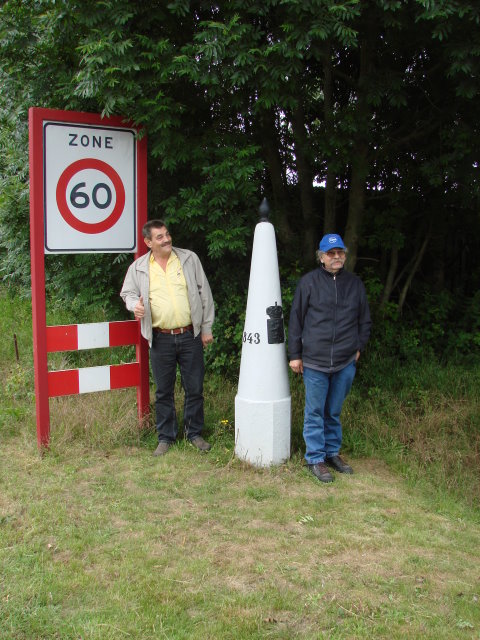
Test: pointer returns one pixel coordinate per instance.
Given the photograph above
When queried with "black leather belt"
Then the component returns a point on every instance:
(174, 332)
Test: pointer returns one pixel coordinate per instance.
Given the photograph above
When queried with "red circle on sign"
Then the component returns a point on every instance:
(67, 215)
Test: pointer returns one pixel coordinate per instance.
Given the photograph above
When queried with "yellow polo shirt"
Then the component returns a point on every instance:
(168, 295)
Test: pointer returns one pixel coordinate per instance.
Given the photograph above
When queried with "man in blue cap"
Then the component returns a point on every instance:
(329, 327)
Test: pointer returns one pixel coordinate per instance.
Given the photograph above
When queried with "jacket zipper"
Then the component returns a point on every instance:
(334, 319)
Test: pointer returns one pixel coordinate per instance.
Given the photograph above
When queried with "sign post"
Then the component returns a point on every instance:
(88, 186)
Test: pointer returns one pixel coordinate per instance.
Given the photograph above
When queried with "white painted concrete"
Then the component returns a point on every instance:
(262, 405)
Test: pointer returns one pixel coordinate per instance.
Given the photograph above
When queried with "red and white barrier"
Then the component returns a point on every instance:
(96, 335)
(74, 381)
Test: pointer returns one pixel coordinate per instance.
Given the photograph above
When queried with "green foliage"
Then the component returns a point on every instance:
(223, 356)
(236, 103)
(215, 210)
(83, 284)
(430, 331)
(14, 203)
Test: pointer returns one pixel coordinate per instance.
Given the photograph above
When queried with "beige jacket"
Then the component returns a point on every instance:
(137, 283)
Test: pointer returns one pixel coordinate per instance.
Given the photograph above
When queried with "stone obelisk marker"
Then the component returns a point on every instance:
(262, 404)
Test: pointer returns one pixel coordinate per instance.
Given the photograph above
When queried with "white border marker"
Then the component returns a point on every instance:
(262, 404)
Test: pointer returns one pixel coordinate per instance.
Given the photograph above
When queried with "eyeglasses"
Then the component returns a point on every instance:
(335, 252)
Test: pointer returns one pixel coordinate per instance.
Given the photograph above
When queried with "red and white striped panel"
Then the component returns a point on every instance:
(74, 381)
(94, 335)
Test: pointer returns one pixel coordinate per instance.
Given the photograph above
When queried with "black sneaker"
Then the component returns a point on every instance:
(339, 465)
(321, 472)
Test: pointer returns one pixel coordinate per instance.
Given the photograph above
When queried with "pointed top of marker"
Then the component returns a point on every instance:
(264, 211)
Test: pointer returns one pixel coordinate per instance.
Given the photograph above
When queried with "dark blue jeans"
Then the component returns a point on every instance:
(187, 351)
(324, 396)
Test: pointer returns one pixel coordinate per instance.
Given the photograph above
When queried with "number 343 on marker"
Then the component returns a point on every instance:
(251, 338)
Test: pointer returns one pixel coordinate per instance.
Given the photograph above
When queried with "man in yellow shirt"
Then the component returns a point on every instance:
(167, 290)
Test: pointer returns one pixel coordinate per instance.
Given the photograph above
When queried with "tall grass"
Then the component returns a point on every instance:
(420, 417)
(99, 540)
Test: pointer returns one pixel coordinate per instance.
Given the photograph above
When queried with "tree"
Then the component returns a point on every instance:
(353, 116)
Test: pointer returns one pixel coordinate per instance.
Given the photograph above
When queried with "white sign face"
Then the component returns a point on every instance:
(90, 188)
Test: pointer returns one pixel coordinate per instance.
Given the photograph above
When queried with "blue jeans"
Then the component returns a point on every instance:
(187, 351)
(324, 396)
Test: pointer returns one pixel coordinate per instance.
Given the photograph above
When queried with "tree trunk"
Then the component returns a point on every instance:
(329, 220)
(360, 158)
(269, 140)
(392, 270)
(356, 203)
(305, 183)
(416, 265)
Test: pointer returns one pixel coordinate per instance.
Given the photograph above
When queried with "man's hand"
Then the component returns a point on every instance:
(139, 310)
(207, 338)
(296, 366)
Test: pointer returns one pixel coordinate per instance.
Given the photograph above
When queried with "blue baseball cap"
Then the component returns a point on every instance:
(331, 241)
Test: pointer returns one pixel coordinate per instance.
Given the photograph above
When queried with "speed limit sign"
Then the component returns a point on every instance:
(89, 188)
(88, 194)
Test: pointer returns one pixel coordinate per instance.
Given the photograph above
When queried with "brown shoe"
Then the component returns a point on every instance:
(162, 449)
(321, 472)
(201, 444)
(339, 465)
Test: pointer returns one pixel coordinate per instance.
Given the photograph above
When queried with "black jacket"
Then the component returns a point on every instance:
(329, 319)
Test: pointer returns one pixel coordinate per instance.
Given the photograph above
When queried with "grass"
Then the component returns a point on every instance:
(100, 540)
(425, 420)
